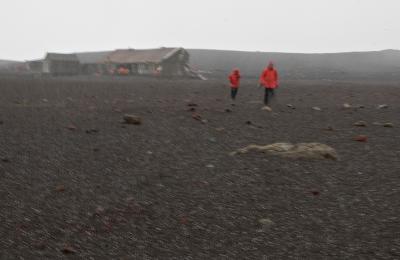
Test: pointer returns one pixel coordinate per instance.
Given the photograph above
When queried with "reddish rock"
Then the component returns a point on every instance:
(361, 138)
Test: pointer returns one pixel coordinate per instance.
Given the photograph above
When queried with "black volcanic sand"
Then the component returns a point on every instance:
(77, 183)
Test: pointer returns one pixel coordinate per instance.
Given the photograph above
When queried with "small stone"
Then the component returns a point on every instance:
(60, 188)
(196, 117)
(68, 250)
(383, 106)
(220, 129)
(315, 193)
(132, 120)
(210, 166)
(266, 108)
(316, 108)
(249, 123)
(71, 127)
(92, 131)
(346, 105)
(360, 123)
(6, 160)
(228, 110)
(266, 222)
(361, 138)
(212, 139)
(45, 100)
(388, 125)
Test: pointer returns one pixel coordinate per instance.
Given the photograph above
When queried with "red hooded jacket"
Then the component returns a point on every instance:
(269, 77)
(234, 78)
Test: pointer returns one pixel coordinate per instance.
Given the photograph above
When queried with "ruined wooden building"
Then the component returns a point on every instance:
(162, 62)
(58, 64)
(93, 63)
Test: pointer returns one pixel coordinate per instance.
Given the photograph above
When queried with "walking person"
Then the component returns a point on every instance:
(234, 79)
(269, 80)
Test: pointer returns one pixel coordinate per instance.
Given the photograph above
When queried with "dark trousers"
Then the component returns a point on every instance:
(234, 92)
(269, 93)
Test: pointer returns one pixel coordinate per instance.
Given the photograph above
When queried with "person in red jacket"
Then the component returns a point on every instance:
(269, 80)
(234, 79)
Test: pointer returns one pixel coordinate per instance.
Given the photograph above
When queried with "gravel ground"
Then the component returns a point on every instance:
(77, 183)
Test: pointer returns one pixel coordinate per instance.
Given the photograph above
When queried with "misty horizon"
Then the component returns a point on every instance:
(30, 29)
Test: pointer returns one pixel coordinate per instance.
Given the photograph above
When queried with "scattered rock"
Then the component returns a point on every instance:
(295, 151)
(192, 109)
(196, 116)
(132, 120)
(44, 100)
(388, 125)
(383, 106)
(92, 131)
(361, 138)
(360, 123)
(68, 250)
(346, 105)
(266, 222)
(316, 109)
(228, 110)
(5, 160)
(249, 123)
(315, 193)
(212, 139)
(266, 108)
(220, 129)
(71, 127)
(60, 188)
(210, 166)
(291, 106)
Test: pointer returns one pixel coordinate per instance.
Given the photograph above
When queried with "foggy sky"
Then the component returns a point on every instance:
(30, 28)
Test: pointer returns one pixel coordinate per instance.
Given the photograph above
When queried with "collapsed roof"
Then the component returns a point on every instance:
(61, 57)
(92, 57)
(141, 56)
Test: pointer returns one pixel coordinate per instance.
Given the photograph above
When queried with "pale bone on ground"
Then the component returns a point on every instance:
(294, 151)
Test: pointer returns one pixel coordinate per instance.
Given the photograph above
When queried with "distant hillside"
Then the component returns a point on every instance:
(380, 65)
